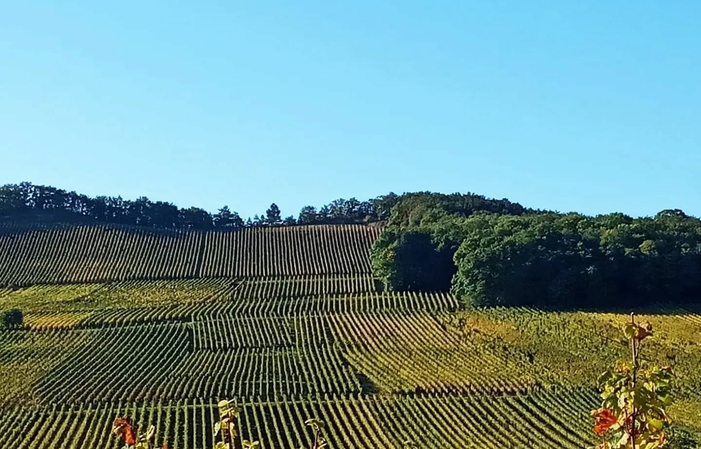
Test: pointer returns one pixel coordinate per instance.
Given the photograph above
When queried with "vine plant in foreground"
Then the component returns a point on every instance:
(123, 429)
(632, 413)
(317, 425)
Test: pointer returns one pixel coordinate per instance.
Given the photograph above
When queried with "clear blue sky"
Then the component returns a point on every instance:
(592, 106)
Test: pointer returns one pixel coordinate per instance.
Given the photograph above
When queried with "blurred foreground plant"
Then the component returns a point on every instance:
(635, 397)
(123, 429)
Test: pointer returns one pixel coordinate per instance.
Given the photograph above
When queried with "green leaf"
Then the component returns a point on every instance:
(665, 399)
(655, 424)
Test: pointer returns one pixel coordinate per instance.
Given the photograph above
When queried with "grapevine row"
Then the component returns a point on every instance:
(84, 254)
(297, 250)
(375, 422)
(352, 303)
(302, 286)
(96, 254)
(126, 363)
(416, 353)
(135, 302)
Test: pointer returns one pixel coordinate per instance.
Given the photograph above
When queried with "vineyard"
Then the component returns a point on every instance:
(542, 420)
(289, 322)
(82, 254)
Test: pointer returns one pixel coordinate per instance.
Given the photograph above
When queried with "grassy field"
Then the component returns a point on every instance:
(304, 332)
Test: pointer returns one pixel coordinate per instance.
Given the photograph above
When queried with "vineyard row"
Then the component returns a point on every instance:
(110, 253)
(48, 307)
(540, 420)
(269, 356)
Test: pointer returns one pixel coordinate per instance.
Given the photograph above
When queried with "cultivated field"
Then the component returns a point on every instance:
(290, 323)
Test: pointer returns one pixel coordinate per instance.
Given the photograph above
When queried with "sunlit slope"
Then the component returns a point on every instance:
(63, 254)
(305, 334)
(538, 420)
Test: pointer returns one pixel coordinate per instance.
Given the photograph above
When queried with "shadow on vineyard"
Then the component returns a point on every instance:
(367, 385)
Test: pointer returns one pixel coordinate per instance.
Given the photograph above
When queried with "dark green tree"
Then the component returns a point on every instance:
(273, 216)
(307, 215)
(12, 319)
(227, 219)
(164, 215)
(196, 218)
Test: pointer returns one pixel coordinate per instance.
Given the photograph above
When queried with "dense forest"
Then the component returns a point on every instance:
(485, 251)
(494, 252)
(27, 201)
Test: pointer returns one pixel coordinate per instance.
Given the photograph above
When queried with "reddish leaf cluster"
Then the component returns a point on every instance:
(605, 418)
(123, 429)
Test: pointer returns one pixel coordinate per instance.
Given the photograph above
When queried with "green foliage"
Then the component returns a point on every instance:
(394, 261)
(681, 438)
(226, 219)
(426, 208)
(30, 202)
(525, 260)
(494, 252)
(574, 261)
(416, 249)
(272, 215)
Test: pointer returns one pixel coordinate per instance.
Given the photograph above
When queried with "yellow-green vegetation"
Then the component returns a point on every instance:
(48, 298)
(71, 305)
(415, 353)
(27, 357)
(687, 413)
(483, 377)
(573, 348)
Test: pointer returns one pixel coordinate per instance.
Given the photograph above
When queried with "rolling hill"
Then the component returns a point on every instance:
(159, 325)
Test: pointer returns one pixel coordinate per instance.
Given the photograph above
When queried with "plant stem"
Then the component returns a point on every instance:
(634, 351)
(316, 439)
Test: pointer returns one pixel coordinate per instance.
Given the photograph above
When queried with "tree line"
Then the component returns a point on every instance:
(494, 252)
(486, 251)
(27, 201)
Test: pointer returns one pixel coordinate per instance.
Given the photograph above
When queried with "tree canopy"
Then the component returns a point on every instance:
(494, 252)
(12, 319)
(27, 201)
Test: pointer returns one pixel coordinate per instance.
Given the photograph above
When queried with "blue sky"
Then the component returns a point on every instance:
(592, 106)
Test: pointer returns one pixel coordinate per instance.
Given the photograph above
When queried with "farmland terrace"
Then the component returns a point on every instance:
(289, 322)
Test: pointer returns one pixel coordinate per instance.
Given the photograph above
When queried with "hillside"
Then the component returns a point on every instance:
(65, 253)
(159, 325)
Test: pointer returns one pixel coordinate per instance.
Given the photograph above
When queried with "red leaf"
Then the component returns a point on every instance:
(129, 436)
(124, 430)
(604, 420)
